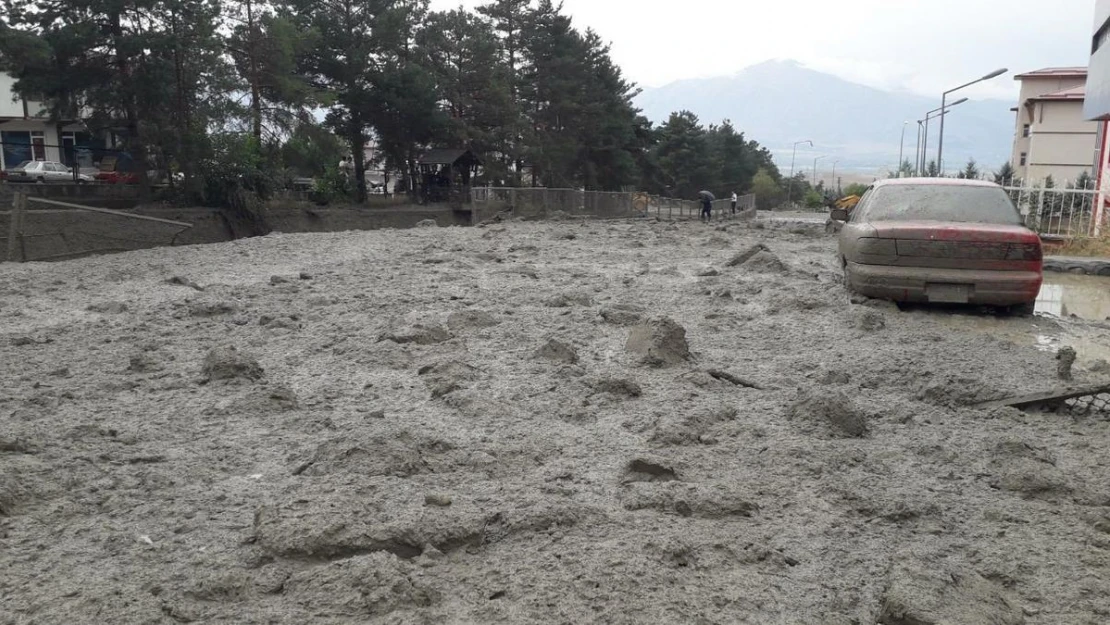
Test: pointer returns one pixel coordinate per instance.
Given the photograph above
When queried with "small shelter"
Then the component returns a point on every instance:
(446, 175)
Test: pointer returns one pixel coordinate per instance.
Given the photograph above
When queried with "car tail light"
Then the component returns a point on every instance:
(877, 247)
(1024, 251)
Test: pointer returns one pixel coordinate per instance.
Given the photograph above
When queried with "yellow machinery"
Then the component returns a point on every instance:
(847, 203)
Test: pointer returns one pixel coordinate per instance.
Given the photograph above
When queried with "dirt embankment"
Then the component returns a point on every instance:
(571, 422)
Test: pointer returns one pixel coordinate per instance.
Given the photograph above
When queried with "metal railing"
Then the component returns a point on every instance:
(545, 203)
(1066, 211)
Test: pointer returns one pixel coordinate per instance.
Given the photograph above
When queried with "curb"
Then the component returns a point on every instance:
(1079, 266)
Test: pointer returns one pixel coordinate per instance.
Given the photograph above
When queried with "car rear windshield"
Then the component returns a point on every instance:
(938, 202)
(23, 165)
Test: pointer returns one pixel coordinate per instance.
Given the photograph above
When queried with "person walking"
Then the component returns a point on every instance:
(734, 200)
(706, 208)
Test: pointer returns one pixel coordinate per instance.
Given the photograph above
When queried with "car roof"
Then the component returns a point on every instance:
(947, 182)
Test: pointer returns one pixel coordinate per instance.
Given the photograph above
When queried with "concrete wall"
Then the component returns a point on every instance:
(60, 234)
(1062, 143)
(1031, 88)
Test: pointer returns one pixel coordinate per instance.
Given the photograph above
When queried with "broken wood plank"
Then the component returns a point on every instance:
(1049, 398)
(732, 379)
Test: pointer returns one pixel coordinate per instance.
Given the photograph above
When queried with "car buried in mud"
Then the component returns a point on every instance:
(939, 240)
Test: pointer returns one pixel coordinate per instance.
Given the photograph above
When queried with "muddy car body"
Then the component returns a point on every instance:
(939, 240)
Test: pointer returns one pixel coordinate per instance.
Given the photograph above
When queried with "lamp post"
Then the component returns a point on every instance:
(815, 169)
(944, 98)
(925, 136)
(901, 149)
(917, 149)
(835, 161)
(790, 183)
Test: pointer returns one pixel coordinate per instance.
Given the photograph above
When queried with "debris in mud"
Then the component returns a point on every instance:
(144, 362)
(437, 499)
(746, 255)
(462, 321)
(286, 322)
(623, 315)
(556, 351)
(707, 272)
(645, 470)
(108, 308)
(832, 408)
(733, 379)
(304, 275)
(447, 377)
(419, 335)
(935, 593)
(276, 280)
(427, 223)
(692, 429)
(659, 343)
(618, 387)
(1021, 468)
(869, 320)
(227, 363)
(1066, 359)
(765, 262)
(211, 308)
(180, 281)
(835, 376)
(566, 300)
(690, 500)
(1099, 366)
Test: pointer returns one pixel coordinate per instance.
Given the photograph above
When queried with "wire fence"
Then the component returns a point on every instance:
(540, 203)
(1068, 211)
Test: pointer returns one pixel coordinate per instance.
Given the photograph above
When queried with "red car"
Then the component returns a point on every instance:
(941, 240)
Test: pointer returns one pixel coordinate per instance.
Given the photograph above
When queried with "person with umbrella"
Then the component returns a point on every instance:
(706, 205)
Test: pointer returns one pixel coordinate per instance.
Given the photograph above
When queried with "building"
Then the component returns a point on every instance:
(1052, 136)
(27, 134)
(1097, 106)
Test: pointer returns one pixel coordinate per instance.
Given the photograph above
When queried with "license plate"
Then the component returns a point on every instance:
(948, 293)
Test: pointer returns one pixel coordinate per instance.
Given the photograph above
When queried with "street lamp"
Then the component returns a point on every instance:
(925, 135)
(790, 183)
(944, 98)
(901, 148)
(833, 181)
(815, 169)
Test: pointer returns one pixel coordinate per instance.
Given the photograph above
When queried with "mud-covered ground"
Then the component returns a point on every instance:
(449, 426)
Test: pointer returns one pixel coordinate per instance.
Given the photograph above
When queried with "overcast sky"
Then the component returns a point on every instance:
(915, 45)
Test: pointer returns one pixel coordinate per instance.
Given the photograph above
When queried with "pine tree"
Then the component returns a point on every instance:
(970, 171)
(1005, 175)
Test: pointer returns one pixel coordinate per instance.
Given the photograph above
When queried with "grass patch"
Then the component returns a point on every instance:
(1094, 247)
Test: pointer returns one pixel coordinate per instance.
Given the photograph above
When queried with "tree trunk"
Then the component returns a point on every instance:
(358, 151)
(256, 91)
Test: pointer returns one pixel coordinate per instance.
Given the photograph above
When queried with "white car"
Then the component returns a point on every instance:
(44, 171)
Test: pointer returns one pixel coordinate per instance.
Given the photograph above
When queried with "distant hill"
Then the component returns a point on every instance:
(780, 102)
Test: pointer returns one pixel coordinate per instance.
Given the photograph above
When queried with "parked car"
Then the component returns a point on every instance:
(940, 240)
(43, 171)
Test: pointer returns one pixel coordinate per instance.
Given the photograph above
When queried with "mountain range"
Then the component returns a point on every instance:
(779, 102)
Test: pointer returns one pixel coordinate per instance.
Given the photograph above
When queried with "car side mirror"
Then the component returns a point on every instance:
(838, 214)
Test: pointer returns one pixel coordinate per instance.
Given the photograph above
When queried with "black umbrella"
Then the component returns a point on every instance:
(707, 195)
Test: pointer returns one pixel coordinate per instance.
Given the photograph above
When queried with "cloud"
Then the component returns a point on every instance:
(913, 45)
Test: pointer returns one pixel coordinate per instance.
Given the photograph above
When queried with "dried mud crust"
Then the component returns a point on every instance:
(569, 422)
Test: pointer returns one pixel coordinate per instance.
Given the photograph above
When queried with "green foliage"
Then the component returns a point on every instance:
(905, 170)
(1006, 175)
(970, 171)
(224, 91)
(932, 170)
(768, 192)
(855, 188)
(814, 199)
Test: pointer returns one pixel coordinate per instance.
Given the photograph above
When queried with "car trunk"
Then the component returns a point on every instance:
(955, 245)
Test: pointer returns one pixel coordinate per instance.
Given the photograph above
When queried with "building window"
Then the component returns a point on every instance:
(1025, 130)
(38, 145)
(1024, 157)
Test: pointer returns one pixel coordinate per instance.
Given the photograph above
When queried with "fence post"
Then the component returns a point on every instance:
(15, 226)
